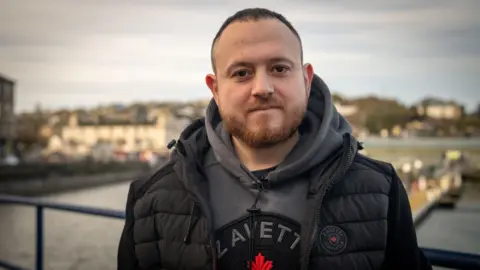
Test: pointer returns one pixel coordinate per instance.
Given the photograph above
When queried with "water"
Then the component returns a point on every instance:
(76, 241)
(455, 229)
(423, 142)
(72, 241)
(429, 150)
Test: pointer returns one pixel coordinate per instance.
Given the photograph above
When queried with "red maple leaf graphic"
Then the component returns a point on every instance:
(261, 264)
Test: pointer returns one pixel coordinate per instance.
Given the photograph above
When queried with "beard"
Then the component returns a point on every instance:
(256, 132)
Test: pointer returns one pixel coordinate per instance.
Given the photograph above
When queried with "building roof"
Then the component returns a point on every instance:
(434, 101)
(6, 78)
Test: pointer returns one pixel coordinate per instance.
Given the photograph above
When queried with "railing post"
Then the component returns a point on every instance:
(39, 249)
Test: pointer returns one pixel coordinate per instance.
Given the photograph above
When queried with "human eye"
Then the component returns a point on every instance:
(241, 74)
(280, 69)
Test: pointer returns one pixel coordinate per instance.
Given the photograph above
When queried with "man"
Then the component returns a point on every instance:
(273, 160)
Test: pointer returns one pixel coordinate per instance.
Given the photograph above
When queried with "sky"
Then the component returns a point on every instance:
(73, 54)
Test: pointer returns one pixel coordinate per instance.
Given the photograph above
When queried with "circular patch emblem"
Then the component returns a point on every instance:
(333, 239)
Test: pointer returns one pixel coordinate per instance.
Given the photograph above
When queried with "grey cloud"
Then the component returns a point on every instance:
(14, 39)
(393, 5)
(409, 42)
(460, 41)
(55, 94)
(420, 42)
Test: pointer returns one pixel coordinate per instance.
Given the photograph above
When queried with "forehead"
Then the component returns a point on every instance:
(256, 41)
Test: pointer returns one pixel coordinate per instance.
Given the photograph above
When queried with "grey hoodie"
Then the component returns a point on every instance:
(231, 190)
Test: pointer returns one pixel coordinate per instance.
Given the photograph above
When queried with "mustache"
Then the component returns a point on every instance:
(271, 104)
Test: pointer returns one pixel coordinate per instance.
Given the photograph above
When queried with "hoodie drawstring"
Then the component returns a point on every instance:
(253, 211)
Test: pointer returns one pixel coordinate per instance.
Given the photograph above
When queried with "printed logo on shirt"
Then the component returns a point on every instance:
(276, 243)
(260, 263)
(333, 239)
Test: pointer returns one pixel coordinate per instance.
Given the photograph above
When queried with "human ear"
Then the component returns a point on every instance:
(211, 81)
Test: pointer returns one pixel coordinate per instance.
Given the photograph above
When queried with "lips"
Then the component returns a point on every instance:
(263, 109)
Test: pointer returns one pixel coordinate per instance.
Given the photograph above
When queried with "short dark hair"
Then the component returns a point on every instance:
(253, 14)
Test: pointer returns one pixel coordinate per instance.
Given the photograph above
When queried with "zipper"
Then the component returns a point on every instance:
(212, 233)
(208, 214)
(324, 191)
(191, 223)
(214, 253)
(202, 202)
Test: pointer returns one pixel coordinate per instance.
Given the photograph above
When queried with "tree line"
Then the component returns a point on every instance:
(376, 113)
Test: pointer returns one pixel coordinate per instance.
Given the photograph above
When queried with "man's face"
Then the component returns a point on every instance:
(260, 85)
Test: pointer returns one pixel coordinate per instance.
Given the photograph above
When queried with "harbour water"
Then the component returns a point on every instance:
(72, 241)
(76, 241)
(422, 142)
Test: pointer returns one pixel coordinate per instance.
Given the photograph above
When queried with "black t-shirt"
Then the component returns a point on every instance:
(276, 241)
(262, 174)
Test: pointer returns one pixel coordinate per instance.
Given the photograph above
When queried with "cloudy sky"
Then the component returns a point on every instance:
(67, 53)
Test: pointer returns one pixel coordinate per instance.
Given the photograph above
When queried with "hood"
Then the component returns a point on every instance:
(322, 135)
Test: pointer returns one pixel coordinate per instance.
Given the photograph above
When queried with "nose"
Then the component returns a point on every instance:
(263, 86)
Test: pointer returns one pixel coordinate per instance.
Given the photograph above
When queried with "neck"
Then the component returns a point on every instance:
(258, 159)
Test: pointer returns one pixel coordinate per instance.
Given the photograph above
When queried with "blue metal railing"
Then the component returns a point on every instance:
(437, 257)
(40, 206)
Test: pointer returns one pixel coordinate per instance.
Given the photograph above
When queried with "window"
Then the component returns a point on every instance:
(7, 92)
(1, 90)
(6, 112)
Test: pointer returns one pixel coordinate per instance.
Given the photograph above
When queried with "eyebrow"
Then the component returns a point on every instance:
(249, 64)
(282, 59)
